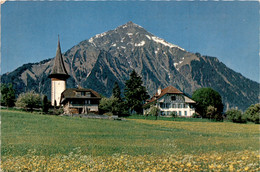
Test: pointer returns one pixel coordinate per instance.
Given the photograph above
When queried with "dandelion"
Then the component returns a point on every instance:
(188, 164)
(211, 166)
(246, 168)
(231, 168)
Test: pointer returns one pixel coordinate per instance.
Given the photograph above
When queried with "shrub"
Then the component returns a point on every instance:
(113, 105)
(253, 112)
(196, 115)
(236, 116)
(155, 111)
(212, 113)
(29, 101)
(55, 111)
(108, 114)
(174, 114)
(105, 105)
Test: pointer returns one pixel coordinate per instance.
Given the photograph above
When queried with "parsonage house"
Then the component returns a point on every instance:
(170, 100)
(80, 101)
(73, 100)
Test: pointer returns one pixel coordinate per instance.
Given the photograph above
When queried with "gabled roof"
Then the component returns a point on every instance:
(59, 69)
(72, 93)
(188, 100)
(168, 90)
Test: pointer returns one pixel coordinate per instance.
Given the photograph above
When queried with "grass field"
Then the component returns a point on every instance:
(52, 143)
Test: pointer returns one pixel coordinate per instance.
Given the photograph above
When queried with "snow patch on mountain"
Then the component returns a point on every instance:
(140, 44)
(91, 40)
(180, 62)
(100, 35)
(163, 42)
(148, 37)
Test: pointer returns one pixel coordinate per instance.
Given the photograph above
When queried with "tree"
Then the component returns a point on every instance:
(205, 97)
(29, 100)
(236, 116)
(155, 111)
(112, 105)
(253, 113)
(7, 95)
(135, 93)
(45, 104)
(117, 91)
(212, 113)
(118, 105)
(105, 105)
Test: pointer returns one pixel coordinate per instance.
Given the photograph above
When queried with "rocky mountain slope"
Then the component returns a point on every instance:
(108, 57)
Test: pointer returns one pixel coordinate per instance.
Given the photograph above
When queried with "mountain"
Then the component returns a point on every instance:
(111, 56)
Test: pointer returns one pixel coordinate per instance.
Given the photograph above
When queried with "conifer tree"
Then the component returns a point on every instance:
(117, 91)
(45, 104)
(135, 93)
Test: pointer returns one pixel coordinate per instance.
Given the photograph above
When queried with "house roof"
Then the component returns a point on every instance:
(168, 90)
(59, 69)
(71, 93)
(188, 100)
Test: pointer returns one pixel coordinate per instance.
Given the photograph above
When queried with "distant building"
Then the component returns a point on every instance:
(73, 100)
(170, 100)
(58, 76)
(80, 101)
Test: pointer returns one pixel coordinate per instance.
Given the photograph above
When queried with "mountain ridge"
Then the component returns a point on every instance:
(109, 57)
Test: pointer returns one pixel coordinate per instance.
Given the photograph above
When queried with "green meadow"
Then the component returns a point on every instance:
(47, 136)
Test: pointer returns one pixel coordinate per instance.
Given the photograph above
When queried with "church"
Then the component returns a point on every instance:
(73, 100)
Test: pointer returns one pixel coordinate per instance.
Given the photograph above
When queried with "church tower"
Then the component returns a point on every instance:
(58, 76)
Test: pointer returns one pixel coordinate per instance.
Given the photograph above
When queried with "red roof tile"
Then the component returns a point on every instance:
(168, 90)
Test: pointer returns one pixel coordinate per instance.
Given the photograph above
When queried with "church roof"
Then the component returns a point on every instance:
(59, 69)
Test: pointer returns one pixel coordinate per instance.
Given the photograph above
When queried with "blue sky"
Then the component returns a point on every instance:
(227, 30)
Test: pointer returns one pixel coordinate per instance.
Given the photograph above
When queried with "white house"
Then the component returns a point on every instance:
(170, 100)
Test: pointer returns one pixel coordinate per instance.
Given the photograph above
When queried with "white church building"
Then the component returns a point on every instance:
(73, 100)
(58, 76)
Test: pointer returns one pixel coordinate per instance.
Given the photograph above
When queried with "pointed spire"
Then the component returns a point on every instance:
(59, 69)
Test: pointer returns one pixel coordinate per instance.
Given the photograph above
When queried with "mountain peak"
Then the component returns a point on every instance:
(130, 24)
